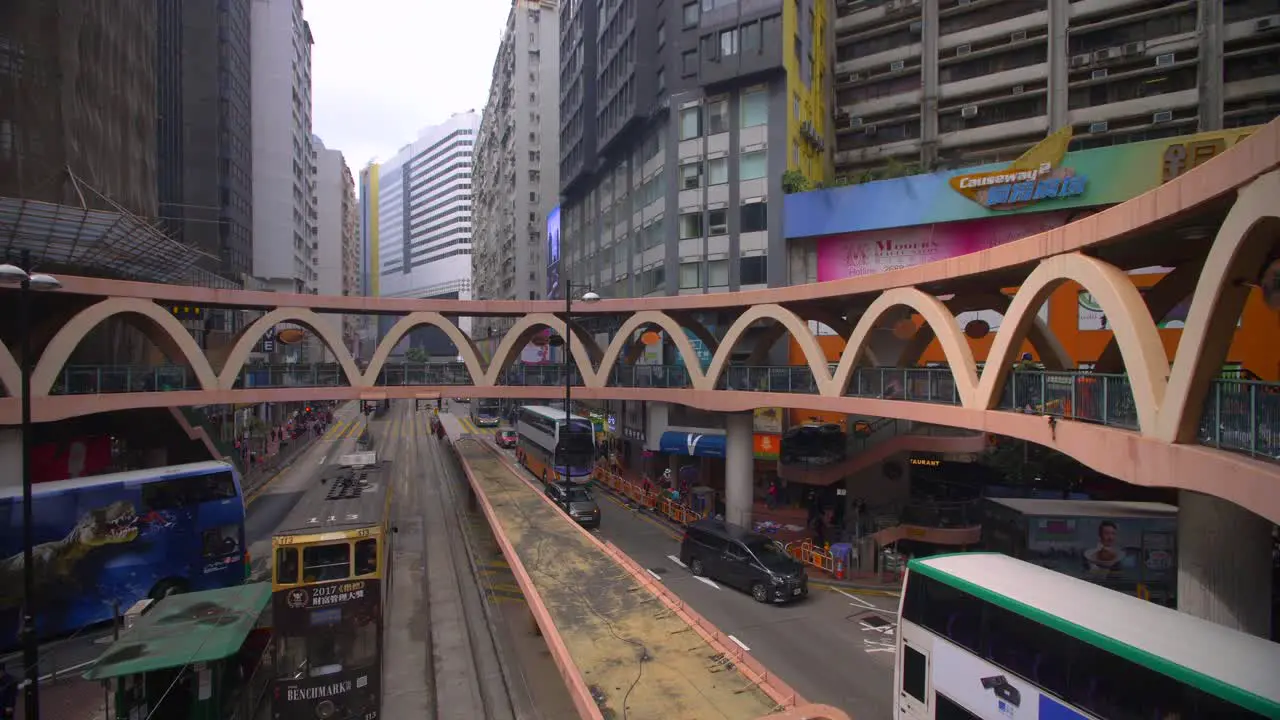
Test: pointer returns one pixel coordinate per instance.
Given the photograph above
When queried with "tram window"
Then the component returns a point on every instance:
(366, 557)
(286, 565)
(221, 541)
(322, 563)
(291, 657)
(360, 644)
(324, 654)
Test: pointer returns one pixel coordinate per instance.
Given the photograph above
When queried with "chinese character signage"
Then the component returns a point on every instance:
(1036, 176)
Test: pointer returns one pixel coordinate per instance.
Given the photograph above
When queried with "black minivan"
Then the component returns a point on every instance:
(743, 559)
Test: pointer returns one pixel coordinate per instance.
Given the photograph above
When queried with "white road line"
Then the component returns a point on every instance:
(739, 643)
(873, 646)
(857, 599)
(655, 575)
(326, 457)
(706, 581)
(676, 560)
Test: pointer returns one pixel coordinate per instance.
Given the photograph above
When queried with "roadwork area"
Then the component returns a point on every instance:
(639, 659)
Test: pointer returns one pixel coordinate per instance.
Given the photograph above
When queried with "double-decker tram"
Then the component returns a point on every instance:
(329, 569)
(552, 448)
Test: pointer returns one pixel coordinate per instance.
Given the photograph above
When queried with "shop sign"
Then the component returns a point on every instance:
(766, 446)
(633, 434)
(1182, 157)
(1034, 177)
(768, 420)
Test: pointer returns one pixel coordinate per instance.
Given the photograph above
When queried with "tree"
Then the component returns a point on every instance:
(793, 181)
(415, 355)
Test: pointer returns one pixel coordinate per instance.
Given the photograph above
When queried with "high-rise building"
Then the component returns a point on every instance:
(517, 163)
(942, 84)
(338, 249)
(204, 138)
(678, 123)
(284, 160)
(78, 94)
(416, 223)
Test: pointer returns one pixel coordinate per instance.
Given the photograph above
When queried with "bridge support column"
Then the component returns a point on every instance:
(1224, 563)
(739, 461)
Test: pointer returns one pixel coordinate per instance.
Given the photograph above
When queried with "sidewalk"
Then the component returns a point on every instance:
(72, 698)
(280, 460)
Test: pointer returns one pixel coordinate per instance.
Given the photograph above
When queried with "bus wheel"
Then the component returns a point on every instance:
(167, 588)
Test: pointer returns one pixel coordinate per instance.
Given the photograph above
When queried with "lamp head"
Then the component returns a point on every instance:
(12, 274)
(41, 281)
(590, 297)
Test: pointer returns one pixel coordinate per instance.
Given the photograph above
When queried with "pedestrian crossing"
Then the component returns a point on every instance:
(412, 425)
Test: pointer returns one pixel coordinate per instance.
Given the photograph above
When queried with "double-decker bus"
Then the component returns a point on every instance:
(983, 635)
(486, 412)
(108, 541)
(330, 565)
(549, 449)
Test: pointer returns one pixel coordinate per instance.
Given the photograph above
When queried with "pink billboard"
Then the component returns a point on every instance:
(876, 251)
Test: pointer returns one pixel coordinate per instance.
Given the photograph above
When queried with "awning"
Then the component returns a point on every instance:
(693, 444)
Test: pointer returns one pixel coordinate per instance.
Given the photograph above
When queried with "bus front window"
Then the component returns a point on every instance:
(325, 563)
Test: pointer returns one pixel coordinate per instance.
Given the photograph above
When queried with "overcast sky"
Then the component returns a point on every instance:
(382, 69)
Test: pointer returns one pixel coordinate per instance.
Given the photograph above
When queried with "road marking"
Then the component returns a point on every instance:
(326, 457)
(740, 644)
(875, 646)
(706, 581)
(655, 575)
(856, 599)
(676, 560)
(65, 670)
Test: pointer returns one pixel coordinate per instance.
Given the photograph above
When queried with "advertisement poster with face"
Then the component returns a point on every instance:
(1114, 551)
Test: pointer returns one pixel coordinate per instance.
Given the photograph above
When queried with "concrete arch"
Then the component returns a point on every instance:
(641, 321)
(10, 373)
(331, 337)
(1053, 354)
(1243, 243)
(1160, 299)
(522, 331)
(813, 353)
(1135, 332)
(169, 332)
(466, 348)
(935, 313)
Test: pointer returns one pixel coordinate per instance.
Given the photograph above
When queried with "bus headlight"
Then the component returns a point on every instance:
(325, 709)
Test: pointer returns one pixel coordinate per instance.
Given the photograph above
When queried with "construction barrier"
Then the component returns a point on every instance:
(648, 499)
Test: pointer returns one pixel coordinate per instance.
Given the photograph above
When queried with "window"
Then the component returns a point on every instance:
(690, 275)
(187, 491)
(367, 557)
(718, 171)
(751, 270)
(322, 563)
(718, 273)
(689, 62)
(755, 108)
(653, 280)
(717, 116)
(286, 565)
(690, 225)
(690, 123)
(221, 541)
(691, 176)
(752, 165)
(729, 42)
(718, 222)
(662, 35)
(691, 14)
(795, 105)
(662, 80)
(914, 668)
(753, 217)
(750, 38)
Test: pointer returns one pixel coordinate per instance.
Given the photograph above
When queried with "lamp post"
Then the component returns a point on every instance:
(27, 282)
(587, 297)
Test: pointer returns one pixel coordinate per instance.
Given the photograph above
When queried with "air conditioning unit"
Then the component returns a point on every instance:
(1018, 36)
(1133, 48)
(855, 77)
(855, 122)
(897, 65)
(1267, 23)
(964, 49)
(1098, 127)
(1106, 54)
(969, 111)
(916, 27)
(869, 129)
(1081, 60)
(1162, 116)
(964, 3)
(1098, 74)
(1165, 59)
(1018, 89)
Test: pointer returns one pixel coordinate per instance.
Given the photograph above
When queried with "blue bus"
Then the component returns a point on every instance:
(108, 541)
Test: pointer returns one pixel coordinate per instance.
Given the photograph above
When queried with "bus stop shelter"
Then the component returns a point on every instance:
(197, 656)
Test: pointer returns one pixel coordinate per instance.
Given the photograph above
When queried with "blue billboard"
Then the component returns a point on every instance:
(553, 252)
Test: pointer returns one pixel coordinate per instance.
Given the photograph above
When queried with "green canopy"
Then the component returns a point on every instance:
(183, 629)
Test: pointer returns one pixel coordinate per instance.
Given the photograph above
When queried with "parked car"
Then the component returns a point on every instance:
(744, 560)
(505, 438)
(575, 500)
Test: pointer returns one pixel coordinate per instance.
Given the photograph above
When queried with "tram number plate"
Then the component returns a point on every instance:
(372, 715)
(795, 591)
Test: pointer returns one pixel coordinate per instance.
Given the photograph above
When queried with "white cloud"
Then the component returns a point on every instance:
(382, 69)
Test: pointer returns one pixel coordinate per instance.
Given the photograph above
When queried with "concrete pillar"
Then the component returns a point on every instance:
(1224, 563)
(1209, 66)
(929, 81)
(655, 423)
(1059, 63)
(739, 460)
(11, 457)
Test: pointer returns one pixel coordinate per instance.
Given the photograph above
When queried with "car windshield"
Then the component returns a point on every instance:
(507, 434)
(578, 494)
(771, 554)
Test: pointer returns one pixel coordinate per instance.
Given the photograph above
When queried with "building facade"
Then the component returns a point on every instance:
(516, 164)
(87, 107)
(337, 244)
(204, 131)
(284, 159)
(678, 123)
(416, 223)
(942, 84)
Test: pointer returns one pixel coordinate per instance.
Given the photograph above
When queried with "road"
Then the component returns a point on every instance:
(835, 647)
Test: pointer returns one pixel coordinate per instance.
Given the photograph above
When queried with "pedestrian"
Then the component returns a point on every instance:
(8, 693)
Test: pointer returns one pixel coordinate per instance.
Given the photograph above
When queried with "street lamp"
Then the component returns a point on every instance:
(27, 282)
(587, 297)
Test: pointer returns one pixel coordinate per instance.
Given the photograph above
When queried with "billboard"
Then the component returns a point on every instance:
(553, 253)
(1117, 552)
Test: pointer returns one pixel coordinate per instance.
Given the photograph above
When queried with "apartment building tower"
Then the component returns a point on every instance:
(516, 163)
(337, 242)
(284, 158)
(942, 84)
(204, 131)
(678, 121)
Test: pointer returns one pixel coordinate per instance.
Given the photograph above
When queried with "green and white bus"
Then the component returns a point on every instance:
(983, 635)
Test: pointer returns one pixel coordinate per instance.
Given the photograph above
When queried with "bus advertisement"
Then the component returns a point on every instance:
(103, 543)
(486, 412)
(547, 450)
